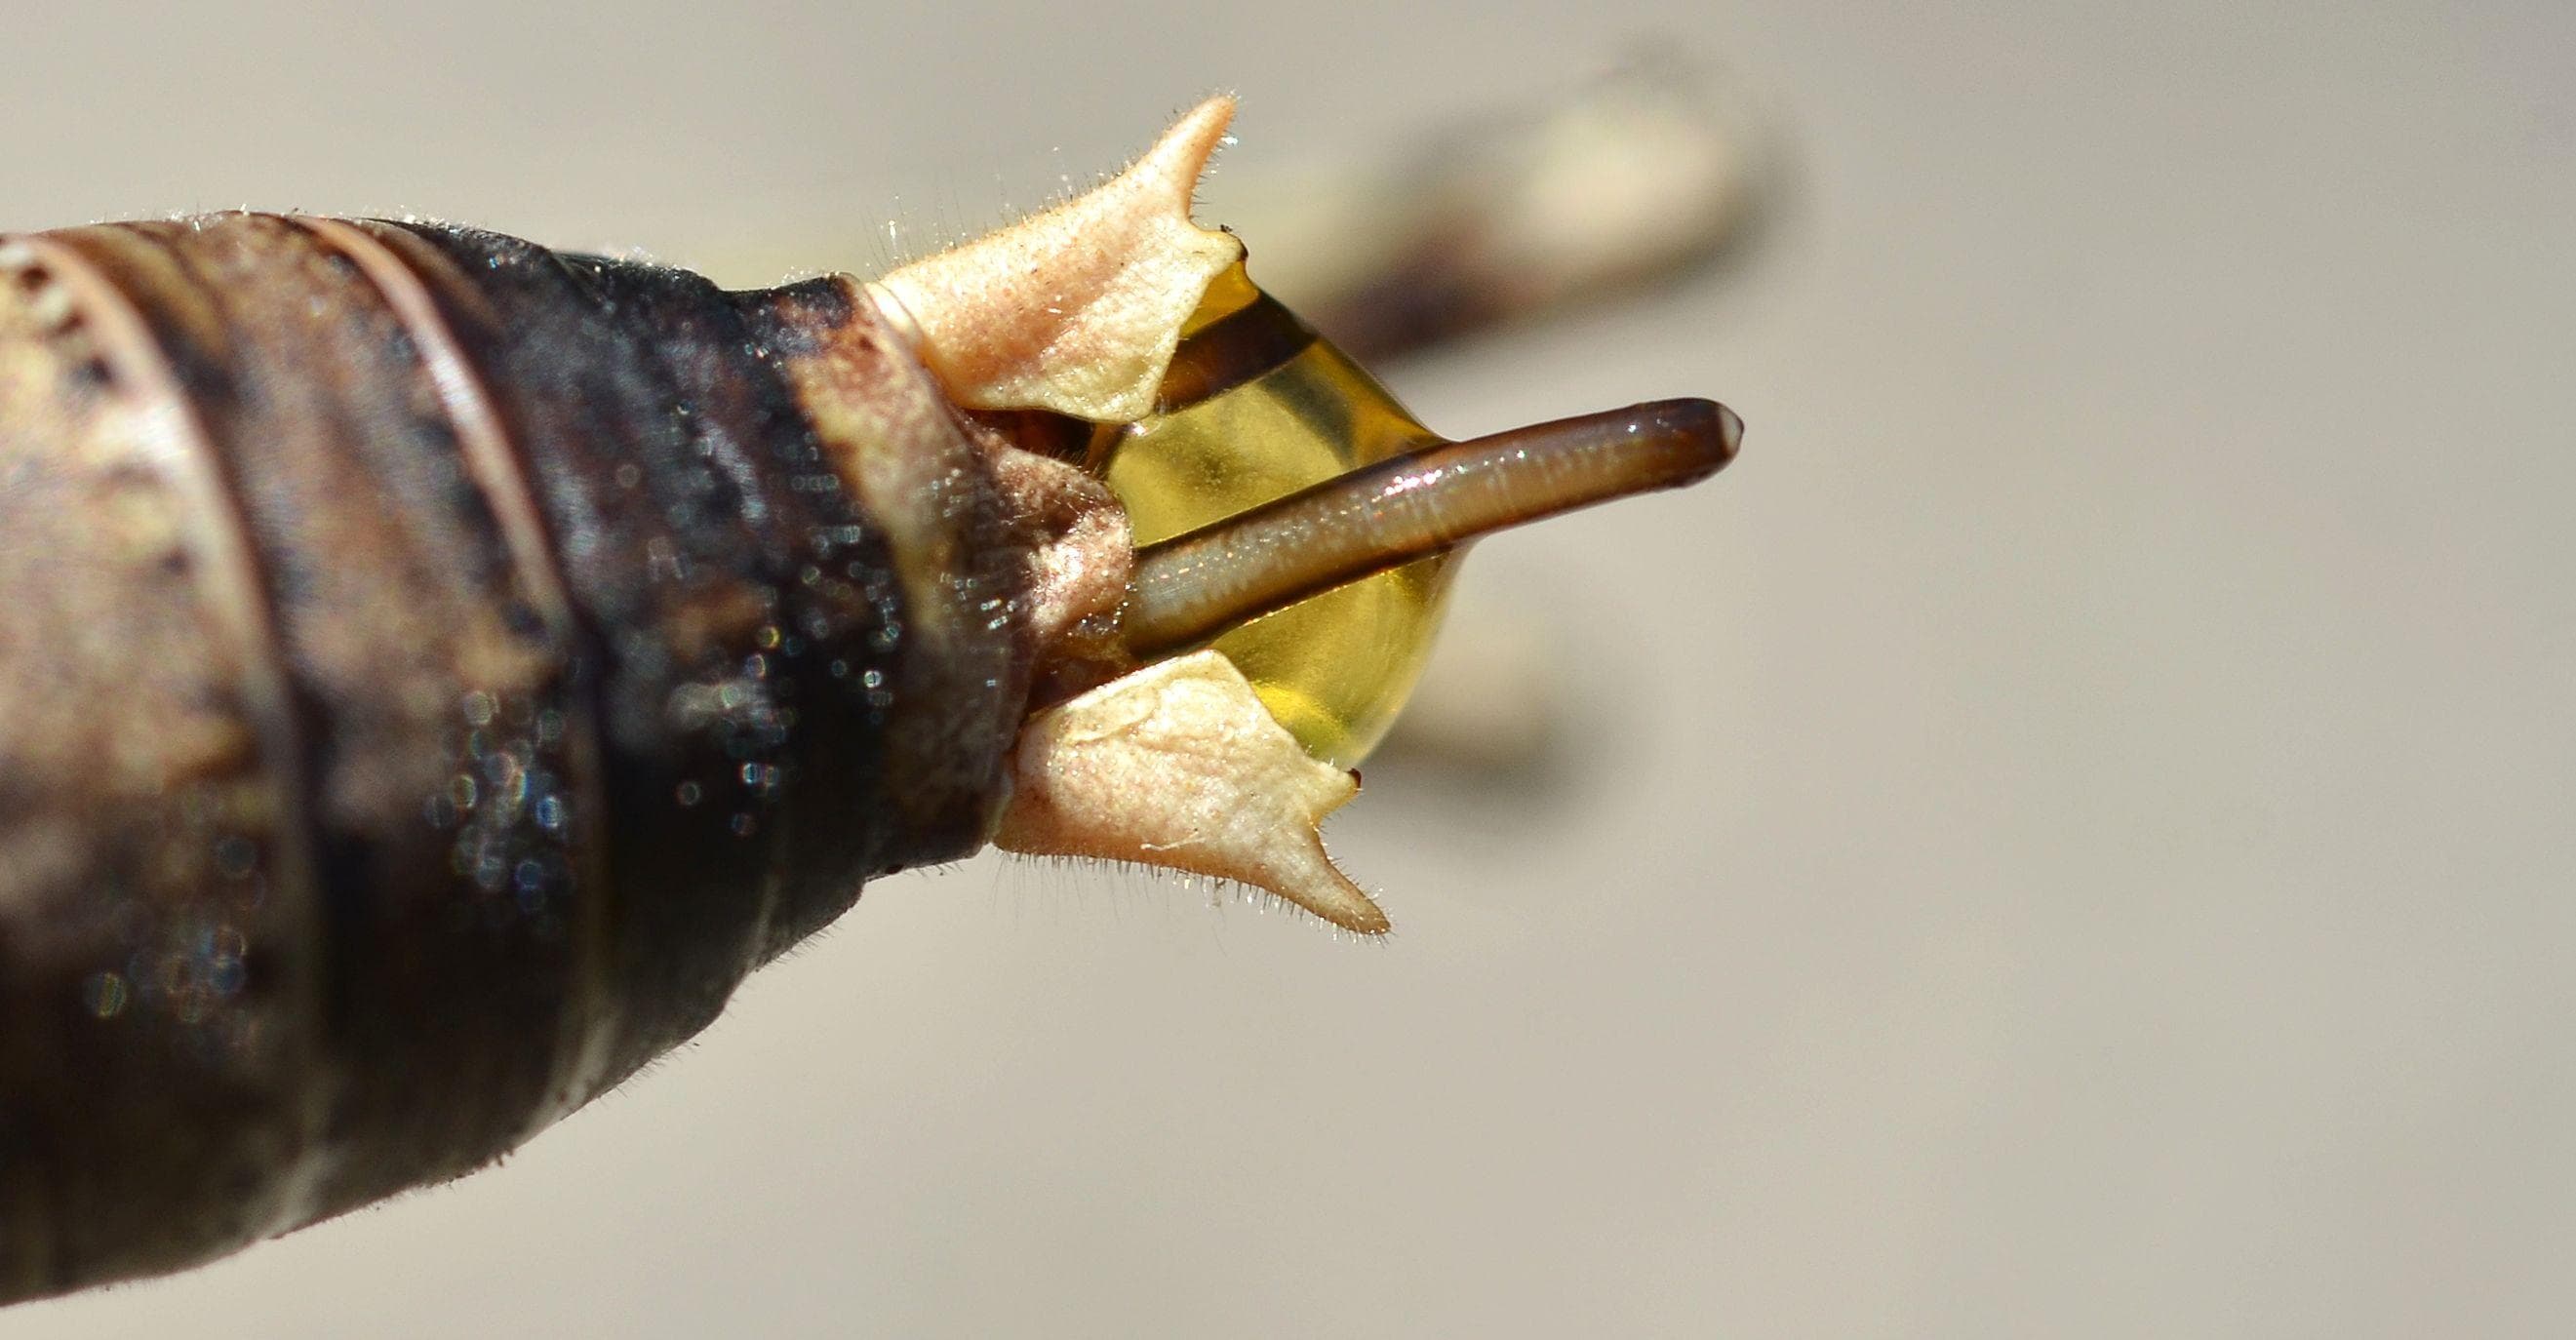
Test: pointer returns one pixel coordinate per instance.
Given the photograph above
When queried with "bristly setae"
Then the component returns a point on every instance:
(436, 669)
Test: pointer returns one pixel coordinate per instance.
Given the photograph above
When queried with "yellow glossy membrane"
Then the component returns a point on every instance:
(1257, 406)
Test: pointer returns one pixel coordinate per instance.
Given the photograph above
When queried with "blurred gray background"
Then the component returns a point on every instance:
(2070, 836)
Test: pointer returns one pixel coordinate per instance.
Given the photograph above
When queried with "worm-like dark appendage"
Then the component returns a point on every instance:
(1192, 587)
(436, 670)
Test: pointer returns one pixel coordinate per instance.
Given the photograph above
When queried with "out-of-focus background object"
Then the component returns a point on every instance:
(1591, 192)
(2070, 835)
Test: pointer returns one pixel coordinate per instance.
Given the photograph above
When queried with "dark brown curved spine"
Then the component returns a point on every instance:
(437, 670)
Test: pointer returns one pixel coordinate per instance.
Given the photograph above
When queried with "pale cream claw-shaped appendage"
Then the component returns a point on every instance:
(1178, 765)
(1076, 310)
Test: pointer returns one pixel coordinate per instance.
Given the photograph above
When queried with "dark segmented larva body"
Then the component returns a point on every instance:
(433, 671)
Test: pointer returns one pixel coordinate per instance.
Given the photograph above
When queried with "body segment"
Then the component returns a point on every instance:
(464, 663)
